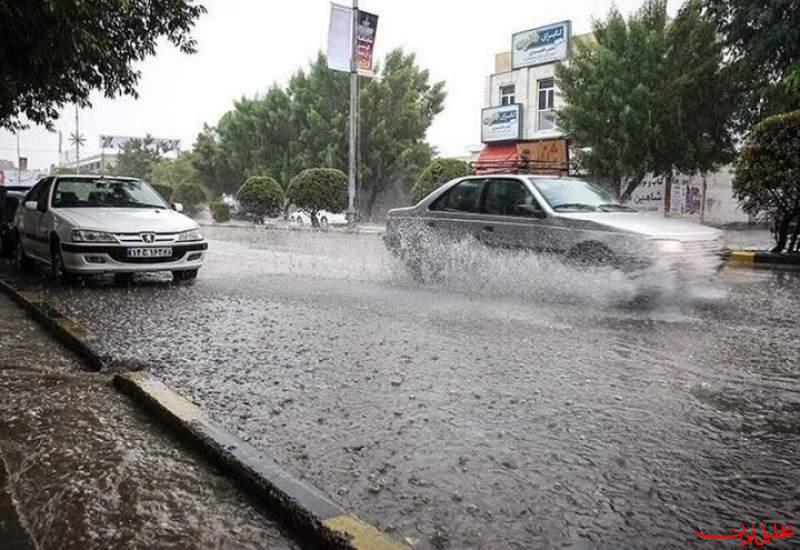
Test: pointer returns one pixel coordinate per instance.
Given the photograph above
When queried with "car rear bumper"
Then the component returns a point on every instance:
(103, 258)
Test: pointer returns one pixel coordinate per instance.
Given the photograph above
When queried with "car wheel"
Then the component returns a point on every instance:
(589, 254)
(57, 268)
(189, 275)
(23, 262)
(323, 224)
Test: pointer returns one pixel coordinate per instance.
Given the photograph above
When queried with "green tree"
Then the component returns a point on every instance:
(56, 53)
(191, 196)
(647, 97)
(304, 126)
(260, 196)
(175, 171)
(138, 159)
(767, 176)
(438, 172)
(220, 211)
(762, 55)
(318, 189)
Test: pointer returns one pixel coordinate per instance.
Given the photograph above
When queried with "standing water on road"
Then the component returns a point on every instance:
(509, 404)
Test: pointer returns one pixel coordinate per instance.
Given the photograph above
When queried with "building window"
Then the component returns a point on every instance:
(507, 95)
(546, 112)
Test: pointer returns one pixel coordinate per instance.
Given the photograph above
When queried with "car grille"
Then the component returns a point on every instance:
(126, 238)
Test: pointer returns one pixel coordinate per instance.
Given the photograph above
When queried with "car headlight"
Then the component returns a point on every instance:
(192, 235)
(667, 246)
(85, 236)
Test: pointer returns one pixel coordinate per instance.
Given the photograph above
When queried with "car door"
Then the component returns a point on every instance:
(513, 218)
(457, 214)
(28, 220)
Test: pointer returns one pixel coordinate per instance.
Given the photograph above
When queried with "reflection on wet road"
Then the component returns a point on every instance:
(512, 404)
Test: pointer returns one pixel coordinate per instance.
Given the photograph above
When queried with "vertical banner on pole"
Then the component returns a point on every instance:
(365, 42)
(340, 42)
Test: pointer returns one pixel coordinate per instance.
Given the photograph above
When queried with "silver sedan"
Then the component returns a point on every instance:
(572, 217)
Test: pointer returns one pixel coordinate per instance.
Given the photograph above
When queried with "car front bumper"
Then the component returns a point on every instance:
(112, 258)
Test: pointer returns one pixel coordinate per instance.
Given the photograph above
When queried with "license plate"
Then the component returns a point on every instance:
(165, 252)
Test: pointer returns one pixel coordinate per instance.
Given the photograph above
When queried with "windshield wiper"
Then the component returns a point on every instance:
(574, 206)
(615, 206)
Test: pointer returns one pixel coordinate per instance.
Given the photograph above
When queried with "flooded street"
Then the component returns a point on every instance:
(513, 403)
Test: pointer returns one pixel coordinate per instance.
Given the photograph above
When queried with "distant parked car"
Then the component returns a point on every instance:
(325, 218)
(10, 199)
(549, 214)
(83, 225)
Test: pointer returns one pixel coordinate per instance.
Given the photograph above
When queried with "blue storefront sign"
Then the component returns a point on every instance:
(540, 46)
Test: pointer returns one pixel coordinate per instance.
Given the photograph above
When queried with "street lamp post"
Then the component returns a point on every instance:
(353, 164)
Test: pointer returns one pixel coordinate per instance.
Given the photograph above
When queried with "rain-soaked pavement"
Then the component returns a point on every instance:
(81, 467)
(514, 404)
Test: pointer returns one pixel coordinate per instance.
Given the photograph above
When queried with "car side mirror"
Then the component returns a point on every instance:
(177, 207)
(31, 205)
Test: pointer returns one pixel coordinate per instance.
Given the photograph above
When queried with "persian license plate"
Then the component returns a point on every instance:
(164, 252)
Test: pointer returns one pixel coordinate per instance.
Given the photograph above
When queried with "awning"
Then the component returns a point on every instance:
(497, 158)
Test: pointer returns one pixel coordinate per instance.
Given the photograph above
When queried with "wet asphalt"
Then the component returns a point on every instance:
(514, 403)
(81, 467)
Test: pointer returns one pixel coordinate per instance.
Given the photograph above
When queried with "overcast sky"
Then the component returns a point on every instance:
(246, 45)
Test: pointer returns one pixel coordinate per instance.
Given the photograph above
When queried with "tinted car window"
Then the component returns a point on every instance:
(510, 198)
(36, 191)
(464, 197)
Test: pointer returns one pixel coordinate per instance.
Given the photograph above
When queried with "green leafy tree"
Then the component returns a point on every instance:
(138, 159)
(767, 177)
(260, 197)
(318, 189)
(56, 53)
(220, 211)
(438, 172)
(647, 97)
(306, 125)
(191, 196)
(762, 54)
(175, 171)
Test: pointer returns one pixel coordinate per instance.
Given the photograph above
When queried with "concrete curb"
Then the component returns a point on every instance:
(762, 258)
(73, 335)
(304, 508)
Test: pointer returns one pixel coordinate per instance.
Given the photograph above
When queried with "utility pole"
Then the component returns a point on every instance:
(77, 143)
(353, 165)
(19, 160)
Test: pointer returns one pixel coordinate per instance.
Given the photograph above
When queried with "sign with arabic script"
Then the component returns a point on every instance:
(540, 46)
(501, 123)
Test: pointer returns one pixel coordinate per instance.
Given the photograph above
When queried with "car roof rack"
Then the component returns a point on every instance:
(520, 166)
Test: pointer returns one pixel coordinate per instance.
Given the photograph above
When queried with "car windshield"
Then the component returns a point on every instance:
(577, 195)
(105, 193)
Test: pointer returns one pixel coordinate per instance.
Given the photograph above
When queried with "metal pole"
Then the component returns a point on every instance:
(19, 160)
(353, 164)
(77, 143)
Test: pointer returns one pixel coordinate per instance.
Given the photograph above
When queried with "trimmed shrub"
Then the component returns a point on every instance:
(220, 211)
(260, 196)
(318, 189)
(438, 172)
(164, 190)
(767, 177)
(191, 196)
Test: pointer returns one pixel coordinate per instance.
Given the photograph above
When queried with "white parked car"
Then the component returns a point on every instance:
(325, 218)
(83, 225)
